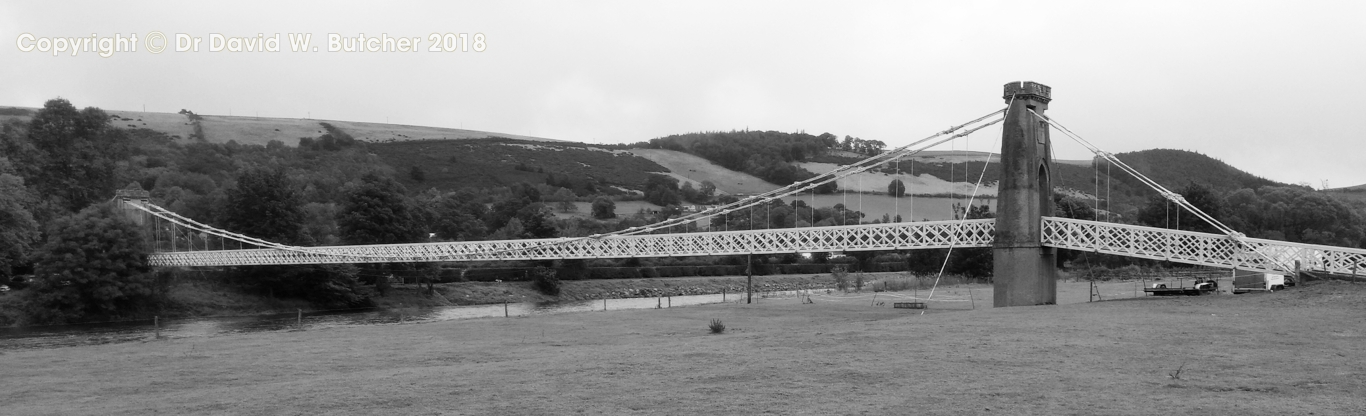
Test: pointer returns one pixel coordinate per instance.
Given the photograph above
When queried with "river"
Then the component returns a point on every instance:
(100, 333)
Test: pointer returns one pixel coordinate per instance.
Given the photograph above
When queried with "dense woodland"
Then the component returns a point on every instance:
(73, 255)
(59, 171)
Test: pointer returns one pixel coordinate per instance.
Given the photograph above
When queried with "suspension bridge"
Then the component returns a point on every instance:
(1023, 236)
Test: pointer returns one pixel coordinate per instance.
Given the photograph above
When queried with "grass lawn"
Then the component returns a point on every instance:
(1289, 352)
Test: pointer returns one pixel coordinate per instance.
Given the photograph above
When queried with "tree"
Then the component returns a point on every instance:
(80, 152)
(429, 273)
(93, 266)
(1066, 206)
(662, 190)
(1161, 213)
(512, 231)
(417, 174)
(18, 230)
(896, 188)
(567, 206)
(689, 192)
(1294, 214)
(604, 208)
(563, 195)
(265, 205)
(523, 190)
(375, 210)
(537, 221)
(459, 217)
(545, 281)
(706, 192)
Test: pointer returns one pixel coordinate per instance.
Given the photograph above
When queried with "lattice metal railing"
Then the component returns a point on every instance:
(1205, 249)
(906, 235)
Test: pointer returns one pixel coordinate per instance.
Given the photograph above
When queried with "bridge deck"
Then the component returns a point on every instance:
(1126, 240)
(893, 236)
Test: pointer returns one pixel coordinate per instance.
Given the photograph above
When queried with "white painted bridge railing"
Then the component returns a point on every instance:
(893, 236)
(1205, 249)
(1126, 240)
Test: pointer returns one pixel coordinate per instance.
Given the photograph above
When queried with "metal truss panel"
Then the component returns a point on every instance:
(893, 236)
(1204, 249)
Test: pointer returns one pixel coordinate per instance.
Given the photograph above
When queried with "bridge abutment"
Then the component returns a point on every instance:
(1025, 272)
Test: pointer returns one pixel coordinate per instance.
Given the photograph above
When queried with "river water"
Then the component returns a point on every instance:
(100, 333)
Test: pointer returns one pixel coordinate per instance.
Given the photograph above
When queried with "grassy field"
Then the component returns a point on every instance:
(1289, 352)
(688, 167)
(915, 184)
(260, 130)
(624, 209)
(911, 208)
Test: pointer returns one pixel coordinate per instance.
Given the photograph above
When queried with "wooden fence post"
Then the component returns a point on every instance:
(749, 282)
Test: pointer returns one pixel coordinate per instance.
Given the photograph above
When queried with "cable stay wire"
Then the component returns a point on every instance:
(796, 187)
(815, 181)
(1168, 194)
(1173, 197)
(954, 241)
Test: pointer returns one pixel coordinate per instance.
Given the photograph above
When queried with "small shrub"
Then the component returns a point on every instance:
(545, 281)
(716, 326)
(858, 282)
(841, 278)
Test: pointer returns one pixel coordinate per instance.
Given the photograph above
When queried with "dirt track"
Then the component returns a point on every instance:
(1290, 352)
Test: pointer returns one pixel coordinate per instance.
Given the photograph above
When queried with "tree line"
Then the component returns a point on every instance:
(768, 155)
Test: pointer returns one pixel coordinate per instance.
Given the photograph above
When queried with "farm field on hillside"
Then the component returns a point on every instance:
(915, 184)
(696, 169)
(1288, 352)
(911, 208)
(623, 209)
(260, 130)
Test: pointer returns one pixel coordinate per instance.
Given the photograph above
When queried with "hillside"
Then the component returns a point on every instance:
(261, 130)
(449, 161)
(932, 172)
(1358, 188)
(1173, 168)
(691, 168)
(455, 164)
(769, 155)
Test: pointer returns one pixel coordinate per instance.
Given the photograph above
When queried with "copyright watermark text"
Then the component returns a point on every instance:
(157, 42)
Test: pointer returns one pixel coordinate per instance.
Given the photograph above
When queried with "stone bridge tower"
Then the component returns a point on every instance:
(1025, 270)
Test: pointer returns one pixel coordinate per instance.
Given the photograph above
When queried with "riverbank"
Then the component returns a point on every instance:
(1288, 352)
(204, 298)
(481, 293)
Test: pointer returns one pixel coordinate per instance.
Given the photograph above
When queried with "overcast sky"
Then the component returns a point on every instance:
(1274, 88)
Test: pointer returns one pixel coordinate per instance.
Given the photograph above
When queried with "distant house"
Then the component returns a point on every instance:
(697, 208)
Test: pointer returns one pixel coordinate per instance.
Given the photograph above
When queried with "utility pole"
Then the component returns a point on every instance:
(749, 284)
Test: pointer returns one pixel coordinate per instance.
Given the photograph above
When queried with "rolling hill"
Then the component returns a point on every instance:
(456, 158)
(261, 130)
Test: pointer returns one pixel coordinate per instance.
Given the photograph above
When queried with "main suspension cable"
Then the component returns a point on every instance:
(794, 188)
(1173, 197)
